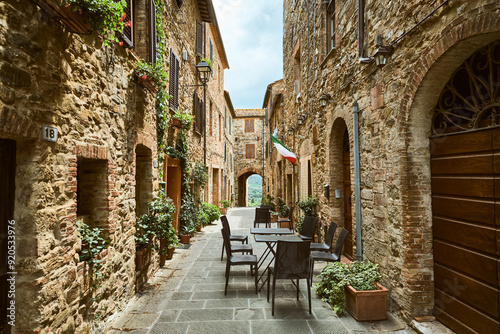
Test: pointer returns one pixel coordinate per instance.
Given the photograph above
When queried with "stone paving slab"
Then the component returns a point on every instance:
(187, 296)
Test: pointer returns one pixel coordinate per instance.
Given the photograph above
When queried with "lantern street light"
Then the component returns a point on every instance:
(204, 70)
(323, 100)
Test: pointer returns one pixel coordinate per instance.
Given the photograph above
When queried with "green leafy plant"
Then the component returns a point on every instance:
(283, 209)
(172, 240)
(225, 203)
(185, 118)
(199, 174)
(269, 200)
(308, 205)
(95, 243)
(143, 230)
(212, 212)
(336, 276)
(106, 17)
(156, 73)
(298, 225)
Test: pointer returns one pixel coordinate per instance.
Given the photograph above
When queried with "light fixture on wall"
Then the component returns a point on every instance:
(204, 70)
(291, 130)
(383, 52)
(301, 119)
(323, 100)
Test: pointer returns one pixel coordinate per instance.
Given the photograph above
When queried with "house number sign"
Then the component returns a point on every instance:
(49, 133)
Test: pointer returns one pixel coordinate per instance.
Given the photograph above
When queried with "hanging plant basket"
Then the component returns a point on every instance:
(147, 83)
(74, 21)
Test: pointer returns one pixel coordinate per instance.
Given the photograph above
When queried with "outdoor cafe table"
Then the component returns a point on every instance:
(270, 241)
(270, 231)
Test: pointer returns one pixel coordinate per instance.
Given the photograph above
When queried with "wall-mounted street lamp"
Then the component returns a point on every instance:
(291, 130)
(383, 52)
(301, 119)
(204, 70)
(323, 100)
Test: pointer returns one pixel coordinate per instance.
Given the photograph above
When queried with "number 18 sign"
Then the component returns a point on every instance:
(49, 133)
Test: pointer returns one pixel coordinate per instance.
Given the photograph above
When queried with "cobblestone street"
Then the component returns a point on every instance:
(187, 296)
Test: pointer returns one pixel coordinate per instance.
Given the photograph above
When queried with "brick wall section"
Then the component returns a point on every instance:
(395, 108)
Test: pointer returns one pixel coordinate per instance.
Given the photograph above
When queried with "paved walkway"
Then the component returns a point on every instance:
(187, 296)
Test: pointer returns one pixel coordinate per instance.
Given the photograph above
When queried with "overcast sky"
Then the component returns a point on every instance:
(252, 33)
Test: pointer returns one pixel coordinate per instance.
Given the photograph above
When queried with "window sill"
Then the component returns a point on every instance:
(328, 56)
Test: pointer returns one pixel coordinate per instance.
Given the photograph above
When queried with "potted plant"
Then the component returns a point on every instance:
(183, 120)
(161, 211)
(105, 17)
(143, 238)
(212, 212)
(225, 205)
(151, 76)
(171, 242)
(186, 232)
(354, 287)
(283, 209)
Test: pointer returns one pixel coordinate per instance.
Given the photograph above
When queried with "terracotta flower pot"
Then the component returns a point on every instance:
(147, 83)
(185, 238)
(170, 253)
(142, 257)
(367, 305)
(176, 122)
(198, 228)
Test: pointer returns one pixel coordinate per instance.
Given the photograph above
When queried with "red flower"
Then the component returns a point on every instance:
(144, 77)
(121, 43)
(128, 24)
(124, 15)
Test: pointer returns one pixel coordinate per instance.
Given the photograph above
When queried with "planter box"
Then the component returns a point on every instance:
(367, 305)
(74, 21)
(176, 123)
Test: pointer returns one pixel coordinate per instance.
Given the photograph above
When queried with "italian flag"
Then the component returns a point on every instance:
(283, 150)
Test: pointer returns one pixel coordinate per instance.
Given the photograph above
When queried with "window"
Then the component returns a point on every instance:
(152, 32)
(174, 81)
(225, 117)
(250, 151)
(330, 26)
(230, 124)
(225, 152)
(199, 115)
(92, 191)
(249, 125)
(128, 32)
(211, 52)
(200, 33)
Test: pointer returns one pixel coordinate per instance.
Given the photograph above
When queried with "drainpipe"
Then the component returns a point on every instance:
(357, 186)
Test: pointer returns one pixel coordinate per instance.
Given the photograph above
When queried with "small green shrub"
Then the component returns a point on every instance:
(283, 209)
(308, 205)
(212, 212)
(225, 203)
(336, 276)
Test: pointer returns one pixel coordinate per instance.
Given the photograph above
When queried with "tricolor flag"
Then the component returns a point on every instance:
(283, 150)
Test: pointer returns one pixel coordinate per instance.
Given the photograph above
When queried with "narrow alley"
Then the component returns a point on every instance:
(187, 296)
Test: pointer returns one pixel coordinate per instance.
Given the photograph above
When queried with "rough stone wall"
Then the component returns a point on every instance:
(181, 36)
(243, 166)
(394, 120)
(229, 176)
(88, 92)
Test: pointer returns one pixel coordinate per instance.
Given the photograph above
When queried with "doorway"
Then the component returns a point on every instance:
(346, 185)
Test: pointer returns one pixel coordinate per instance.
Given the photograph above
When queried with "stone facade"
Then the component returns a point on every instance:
(104, 166)
(249, 150)
(395, 109)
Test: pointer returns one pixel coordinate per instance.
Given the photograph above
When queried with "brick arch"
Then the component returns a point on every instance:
(450, 48)
(247, 170)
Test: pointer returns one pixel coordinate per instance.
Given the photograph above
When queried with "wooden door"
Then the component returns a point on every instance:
(346, 163)
(173, 181)
(7, 190)
(466, 218)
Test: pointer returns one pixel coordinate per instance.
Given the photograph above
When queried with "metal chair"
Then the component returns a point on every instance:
(288, 220)
(292, 262)
(232, 237)
(327, 246)
(237, 260)
(308, 227)
(262, 216)
(329, 257)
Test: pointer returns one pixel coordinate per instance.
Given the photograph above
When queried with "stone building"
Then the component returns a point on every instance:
(249, 131)
(424, 208)
(228, 171)
(78, 139)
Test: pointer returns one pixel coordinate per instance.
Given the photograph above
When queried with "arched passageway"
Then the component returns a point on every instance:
(242, 185)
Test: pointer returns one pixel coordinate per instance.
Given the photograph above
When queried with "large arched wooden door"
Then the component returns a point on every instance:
(346, 163)
(465, 167)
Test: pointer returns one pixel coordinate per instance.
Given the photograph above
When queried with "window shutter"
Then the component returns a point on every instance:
(128, 32)
(199, 38)
(152, 31)
(174, 80)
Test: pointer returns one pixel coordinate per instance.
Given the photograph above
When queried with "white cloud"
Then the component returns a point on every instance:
(252, 33)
